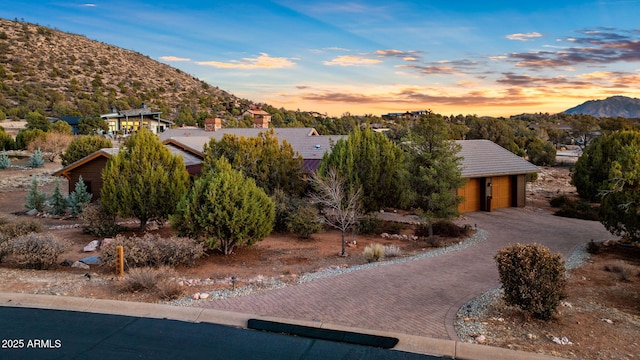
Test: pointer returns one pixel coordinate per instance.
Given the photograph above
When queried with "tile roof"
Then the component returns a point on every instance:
(482, 158)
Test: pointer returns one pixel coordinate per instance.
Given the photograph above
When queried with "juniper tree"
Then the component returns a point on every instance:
(82, 146)
(144, 179)
(225, 209)
(369, 161)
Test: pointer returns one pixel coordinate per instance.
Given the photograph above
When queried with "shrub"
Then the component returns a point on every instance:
(393, 228)
(35, 251)
(370, 224)
(392, 251)
(153, 250)
(373, 252)
(576, 209)
(624, 271)
(169, 289)
(449, 229)
(140, 279)
(5, 162)
(13, 229)
(560, 201)
(304, 221)
(593, 247)
(98, 221)
(532, 277)
(36, 160)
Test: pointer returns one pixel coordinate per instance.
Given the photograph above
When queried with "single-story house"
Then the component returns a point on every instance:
(496, 176)
(129, 121)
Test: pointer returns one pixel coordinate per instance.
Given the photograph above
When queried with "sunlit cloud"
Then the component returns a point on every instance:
(88, 5)
(264, 61)
(411, 55)
(173, 58)
(351, 60)
(524, 37)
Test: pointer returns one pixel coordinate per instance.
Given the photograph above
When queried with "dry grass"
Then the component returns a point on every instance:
(150, 279)
(623, 270)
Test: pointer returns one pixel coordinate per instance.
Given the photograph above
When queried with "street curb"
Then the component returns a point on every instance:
(409, 343)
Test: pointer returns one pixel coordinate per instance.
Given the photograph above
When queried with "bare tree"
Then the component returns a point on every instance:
(52, 144)
(341, 209)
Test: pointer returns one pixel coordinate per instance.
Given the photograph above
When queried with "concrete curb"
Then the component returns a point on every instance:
(408, 343)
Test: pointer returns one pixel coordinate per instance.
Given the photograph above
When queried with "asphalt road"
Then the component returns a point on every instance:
(27, 333)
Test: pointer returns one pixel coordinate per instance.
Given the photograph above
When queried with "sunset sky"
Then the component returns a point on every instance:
(494, 58)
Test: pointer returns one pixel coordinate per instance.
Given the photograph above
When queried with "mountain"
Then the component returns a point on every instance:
(615, 106)
(58, 73)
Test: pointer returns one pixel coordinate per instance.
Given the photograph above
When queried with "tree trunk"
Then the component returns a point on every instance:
(343, 246)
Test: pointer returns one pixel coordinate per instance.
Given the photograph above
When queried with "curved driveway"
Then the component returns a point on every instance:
(420, 297)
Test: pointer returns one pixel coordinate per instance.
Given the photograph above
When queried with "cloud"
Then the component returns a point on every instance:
(351, 60)
(411, 55)
(524, 37)
(173, 58)
(264, 61)
(447, 67)
(528, 81)
(88, 5)
(593, 47)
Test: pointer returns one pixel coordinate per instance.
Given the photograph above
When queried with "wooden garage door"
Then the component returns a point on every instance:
(501, 192)
(471, 194)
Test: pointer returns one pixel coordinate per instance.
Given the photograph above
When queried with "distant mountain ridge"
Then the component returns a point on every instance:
(615, 106)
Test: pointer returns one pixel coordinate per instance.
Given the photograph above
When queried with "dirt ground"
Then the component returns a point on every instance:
(601, 316)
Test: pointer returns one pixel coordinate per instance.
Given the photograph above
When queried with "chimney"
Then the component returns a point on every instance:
(212, 124)
(261, 119)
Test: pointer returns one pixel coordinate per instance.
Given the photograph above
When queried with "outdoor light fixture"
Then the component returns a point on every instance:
(233, 282)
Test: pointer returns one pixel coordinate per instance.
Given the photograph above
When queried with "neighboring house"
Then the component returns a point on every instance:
(496, 176)
(129, 121)
(304, 141)
(90, 168)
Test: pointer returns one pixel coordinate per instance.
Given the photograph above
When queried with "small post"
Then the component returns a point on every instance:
(120, 260)
(233, 282)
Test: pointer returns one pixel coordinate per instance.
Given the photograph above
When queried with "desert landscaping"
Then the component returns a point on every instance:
(599, 319)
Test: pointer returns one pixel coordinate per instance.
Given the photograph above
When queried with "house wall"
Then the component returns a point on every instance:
(91, 175)
(489, 193)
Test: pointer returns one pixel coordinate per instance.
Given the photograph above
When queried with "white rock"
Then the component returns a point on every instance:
(80, 265)
(480, 339)
(92, 246)
(204, 295)
(196, 296)
(608, 321)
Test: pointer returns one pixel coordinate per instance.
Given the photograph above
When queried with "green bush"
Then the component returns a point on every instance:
(370, 224)
(373, 252)
(97, 221)
(35, 198)
(442, 228)
(576, 209)
(560, 201)
(153, 250)
(532, 277)
(35, 251)
(393, 227)
(304, 221)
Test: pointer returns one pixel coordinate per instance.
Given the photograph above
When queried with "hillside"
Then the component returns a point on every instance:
(615, 106)
(58, 73)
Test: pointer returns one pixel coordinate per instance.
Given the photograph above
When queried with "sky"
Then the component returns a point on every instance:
(493, 58)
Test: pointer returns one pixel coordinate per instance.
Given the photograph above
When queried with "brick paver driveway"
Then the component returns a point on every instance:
(420, 297)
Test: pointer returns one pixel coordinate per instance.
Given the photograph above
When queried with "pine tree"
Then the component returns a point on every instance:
(36, 160)
(58, 202)
(5, 162)
(35, 198)
(79, 198)
(144, 180)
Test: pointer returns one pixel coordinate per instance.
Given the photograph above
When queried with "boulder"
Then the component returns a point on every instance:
(80, 265)
(92, 246)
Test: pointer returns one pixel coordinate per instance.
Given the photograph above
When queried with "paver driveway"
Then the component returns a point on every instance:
(420, 297)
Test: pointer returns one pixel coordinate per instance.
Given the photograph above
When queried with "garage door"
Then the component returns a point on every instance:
(471, 194)
(501, 192)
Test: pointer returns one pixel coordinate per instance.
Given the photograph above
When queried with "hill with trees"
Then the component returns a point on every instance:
(61, 74)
